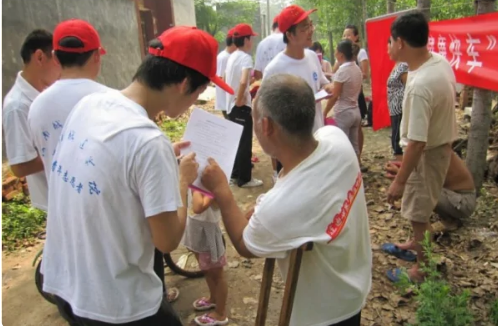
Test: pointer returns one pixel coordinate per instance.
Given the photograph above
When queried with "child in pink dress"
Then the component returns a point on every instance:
(203, 237)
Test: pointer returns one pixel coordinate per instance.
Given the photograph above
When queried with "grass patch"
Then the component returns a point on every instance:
(21, 223)
(494, 313)
(438, 304)
(173, 128)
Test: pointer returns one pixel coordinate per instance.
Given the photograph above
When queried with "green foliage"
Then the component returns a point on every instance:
(174, 129)
(215, 16)
(493, 315)
(437, 304)
(21, 223)
(333, 15)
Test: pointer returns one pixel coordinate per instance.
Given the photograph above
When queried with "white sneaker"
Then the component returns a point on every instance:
(233, 182)
(253, 183)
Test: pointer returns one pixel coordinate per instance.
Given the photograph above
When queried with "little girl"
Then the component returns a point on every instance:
(203, 237)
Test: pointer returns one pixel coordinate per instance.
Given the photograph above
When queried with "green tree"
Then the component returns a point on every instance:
(215, 16)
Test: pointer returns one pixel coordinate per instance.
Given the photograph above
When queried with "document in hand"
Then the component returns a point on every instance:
(321, 95)
(211, 136)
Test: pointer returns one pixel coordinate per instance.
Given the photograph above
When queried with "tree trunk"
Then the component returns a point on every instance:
(332, 49)
(480, 122)
(425, 7)
(391, 6)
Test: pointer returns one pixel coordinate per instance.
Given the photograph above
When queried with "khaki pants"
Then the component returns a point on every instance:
(425, 184)
(455, 206)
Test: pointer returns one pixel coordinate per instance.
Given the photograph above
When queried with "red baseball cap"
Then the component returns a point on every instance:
(80, 29)
(291, 16)
(241, 30)
(230, 32)
(193, 48)
(275, 19)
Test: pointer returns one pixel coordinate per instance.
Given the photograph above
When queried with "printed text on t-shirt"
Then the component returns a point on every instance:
(337, 224)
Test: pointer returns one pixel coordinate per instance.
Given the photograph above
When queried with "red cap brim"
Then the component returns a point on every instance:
(220, 83)
(304, 15)
(102, 51)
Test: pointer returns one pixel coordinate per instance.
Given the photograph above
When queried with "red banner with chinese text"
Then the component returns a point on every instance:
(470, 45)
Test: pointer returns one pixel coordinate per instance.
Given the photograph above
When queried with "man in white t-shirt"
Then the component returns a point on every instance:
(237, 75)
(428, 128)
(39, 71)
(116, 191)
(78, 50)
(267, 49)
(297, 59)
(221, 65)
(311, 202)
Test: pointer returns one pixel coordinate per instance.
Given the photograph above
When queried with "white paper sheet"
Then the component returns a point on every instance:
(321, 95)
(211, 136)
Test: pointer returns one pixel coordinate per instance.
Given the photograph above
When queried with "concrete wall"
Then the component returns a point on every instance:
(184, 12)
(115, 20)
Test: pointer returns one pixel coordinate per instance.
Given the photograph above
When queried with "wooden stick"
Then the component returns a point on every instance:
(264, 293)
(295, 259)
(291, 283)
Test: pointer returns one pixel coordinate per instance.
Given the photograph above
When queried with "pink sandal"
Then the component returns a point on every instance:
(206, 320)
(203, 304)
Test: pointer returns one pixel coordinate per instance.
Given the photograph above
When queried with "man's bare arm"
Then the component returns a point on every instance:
(24, 169)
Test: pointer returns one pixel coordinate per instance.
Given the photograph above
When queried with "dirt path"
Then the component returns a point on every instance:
(470, 259)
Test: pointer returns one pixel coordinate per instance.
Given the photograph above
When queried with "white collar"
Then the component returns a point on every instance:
(25, 87)
(349, 63)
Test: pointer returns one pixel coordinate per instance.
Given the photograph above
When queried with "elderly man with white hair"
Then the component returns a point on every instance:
(318, 197)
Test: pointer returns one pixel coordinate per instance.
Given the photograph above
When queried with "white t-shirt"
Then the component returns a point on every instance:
(221, 65)
(49, 112)
(309, 68)
(362, 55)
(322, 200)
(18, 139)
(116, 170)
(267, 49)
(237, 62)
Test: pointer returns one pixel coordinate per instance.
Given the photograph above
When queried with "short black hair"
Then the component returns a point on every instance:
(239, 41)
(346, 47)
(229, 41)
(274, 26)
(158, 72)
(353, 28)
(37, 39)
(71, 59)
(413, 28)
(291, 30)
(316, 46)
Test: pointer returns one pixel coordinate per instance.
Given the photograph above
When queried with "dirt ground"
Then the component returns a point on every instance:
(469, 259)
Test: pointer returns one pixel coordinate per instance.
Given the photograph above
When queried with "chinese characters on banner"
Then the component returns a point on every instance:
(469, 44)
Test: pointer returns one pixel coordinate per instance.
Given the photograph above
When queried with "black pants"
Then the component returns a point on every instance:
(362, 104)
(353, 321)
(242, 166)
(395, 134)
(164, 316)
(159, 266)
(225, 114)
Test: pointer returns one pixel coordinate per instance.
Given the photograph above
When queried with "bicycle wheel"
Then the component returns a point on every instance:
(182, 262)
(39, 284)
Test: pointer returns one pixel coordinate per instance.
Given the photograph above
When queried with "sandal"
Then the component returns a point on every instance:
(172, 294)
(206, 320)
(203, 304)
(392, 249)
